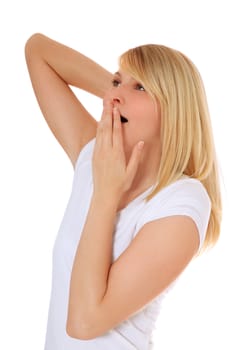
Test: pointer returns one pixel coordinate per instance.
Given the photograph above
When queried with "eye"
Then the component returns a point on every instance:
(115, 82)
(139, 87)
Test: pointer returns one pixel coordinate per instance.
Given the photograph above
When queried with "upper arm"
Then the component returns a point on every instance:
(155, 258)
(67, 118)
(51, 75)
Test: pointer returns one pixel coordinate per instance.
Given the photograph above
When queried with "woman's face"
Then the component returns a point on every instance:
(139, 108)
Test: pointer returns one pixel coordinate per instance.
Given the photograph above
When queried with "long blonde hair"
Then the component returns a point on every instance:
(186, 132)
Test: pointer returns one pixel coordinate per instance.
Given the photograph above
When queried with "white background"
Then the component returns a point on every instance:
(36, 174)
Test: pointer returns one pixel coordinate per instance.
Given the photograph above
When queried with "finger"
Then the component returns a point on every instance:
(104, 130)
(134, 162)
(107, 123)
(117, 138)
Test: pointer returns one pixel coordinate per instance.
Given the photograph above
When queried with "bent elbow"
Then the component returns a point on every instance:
(80, 330)
(32, 43)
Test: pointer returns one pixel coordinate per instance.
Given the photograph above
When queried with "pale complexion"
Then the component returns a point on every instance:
(102, 293)
(130, 100)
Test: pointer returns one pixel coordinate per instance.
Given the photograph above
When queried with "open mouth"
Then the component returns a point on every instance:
(123, 119)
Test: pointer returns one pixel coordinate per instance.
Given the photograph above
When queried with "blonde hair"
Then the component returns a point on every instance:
(186, 133)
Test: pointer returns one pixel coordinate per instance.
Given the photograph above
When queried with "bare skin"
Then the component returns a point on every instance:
(96, 305)
(51, 76)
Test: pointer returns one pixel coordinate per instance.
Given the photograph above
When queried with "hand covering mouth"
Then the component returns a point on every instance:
(123, 119)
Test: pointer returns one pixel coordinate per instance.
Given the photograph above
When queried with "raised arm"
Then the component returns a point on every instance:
(53, 67)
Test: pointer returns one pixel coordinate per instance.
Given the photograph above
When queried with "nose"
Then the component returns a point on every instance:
(115, 95)
(117, 100)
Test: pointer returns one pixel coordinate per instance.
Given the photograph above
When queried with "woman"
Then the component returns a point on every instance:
(145, 198)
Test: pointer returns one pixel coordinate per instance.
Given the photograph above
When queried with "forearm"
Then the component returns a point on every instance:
(91, 265)
(73, 67)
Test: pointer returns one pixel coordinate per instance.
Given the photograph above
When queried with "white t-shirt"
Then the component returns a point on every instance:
(184, 197)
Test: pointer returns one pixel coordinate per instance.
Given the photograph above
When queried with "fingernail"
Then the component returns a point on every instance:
(140, 144)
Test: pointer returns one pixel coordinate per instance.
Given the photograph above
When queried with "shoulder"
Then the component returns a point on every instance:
(186, 197)
(186, 191)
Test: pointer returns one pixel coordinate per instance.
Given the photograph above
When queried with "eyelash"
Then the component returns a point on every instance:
(115, 82)
(138, 86)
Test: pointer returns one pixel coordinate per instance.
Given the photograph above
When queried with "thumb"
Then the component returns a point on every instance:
(133, 163)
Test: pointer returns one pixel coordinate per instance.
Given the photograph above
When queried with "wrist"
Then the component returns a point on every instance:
(107, 202)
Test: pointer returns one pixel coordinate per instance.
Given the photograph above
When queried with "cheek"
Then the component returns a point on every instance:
(145, 128)
(151, 122)
(156, 124)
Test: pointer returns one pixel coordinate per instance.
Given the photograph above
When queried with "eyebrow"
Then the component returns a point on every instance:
(117, 73)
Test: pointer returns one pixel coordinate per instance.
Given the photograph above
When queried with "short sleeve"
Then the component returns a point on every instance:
(85, 154)
(184, 197)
